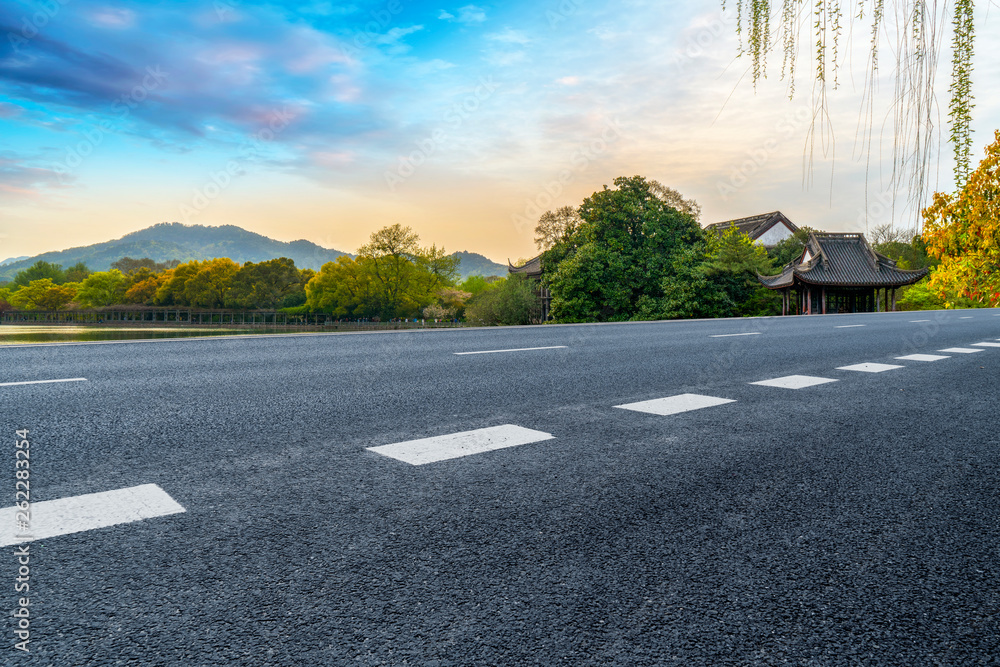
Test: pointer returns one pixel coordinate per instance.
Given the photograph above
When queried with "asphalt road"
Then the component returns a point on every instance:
(849, 523)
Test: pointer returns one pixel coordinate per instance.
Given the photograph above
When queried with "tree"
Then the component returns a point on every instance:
(77, 273)
(620, 254)
(963, 231)
(143, 291)
(209, 287)
(172, 289)
(128, 265)
(918, 30)
(733, 263)
(554, 226)
(40, 270)
(271, 284)
(42, 294)
(345, 288)
(104, 288)
(790, 249)
(508, 301)
(391, 253)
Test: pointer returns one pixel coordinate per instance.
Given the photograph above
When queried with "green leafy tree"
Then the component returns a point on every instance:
(508, 301)
(173, 286)
(344, 288)
(77, 273)
(790, 249)
(41, 270)
(271, 284)
(209, 287)
(474, 285)
(620, 254)
(43, 294)
(105, 288)
(733, 263)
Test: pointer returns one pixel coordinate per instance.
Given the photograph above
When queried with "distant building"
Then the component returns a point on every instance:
(767, 229)
(839, 273)
(533, 270)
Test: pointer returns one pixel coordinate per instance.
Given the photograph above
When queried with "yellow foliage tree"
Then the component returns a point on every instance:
(963, 231)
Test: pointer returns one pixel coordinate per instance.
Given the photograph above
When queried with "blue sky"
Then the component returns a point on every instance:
(329, 120)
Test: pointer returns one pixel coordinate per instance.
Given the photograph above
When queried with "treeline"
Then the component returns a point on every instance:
(637, 252)
(393, 277)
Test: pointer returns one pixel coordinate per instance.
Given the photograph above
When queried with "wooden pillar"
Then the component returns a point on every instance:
(893, 299)
(823, 292)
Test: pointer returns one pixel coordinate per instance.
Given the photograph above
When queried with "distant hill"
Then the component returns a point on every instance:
(474, 264)
(172, 240)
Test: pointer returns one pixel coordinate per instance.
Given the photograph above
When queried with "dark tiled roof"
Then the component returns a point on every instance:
(755, 225)
(844, 260)
(532, 268)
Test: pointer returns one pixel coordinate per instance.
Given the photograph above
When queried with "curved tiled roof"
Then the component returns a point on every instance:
(843, 260)
(755, 225)
(532, 268)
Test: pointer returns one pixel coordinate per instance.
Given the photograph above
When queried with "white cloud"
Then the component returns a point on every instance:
(445, 16)
(508, 36)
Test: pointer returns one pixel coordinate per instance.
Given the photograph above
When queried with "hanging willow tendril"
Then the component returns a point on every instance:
(960, 108)
(917, 26)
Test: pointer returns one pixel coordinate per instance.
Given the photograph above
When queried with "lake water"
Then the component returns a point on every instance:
(15, 334)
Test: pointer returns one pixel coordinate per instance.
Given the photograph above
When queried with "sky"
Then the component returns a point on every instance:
(329, 120)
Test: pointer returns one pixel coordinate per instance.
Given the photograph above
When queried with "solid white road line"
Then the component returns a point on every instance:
(12, 384)
(455, 445)
(924, 357)
(51, 518)
(869, 367)
(849, 326)
(516, 349)
(986, 344)
(961, 350)
(794, 381)
(969, 317)
(672, 405)
(752, 333)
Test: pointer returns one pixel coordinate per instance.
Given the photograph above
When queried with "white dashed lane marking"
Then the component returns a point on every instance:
(849, 326)
(961, 350)
(913, 321)
(986, 344)
(464, 443)
(752, 333)
(51, 518)
(794, 381)
(869, 367)
(923, 357)
(966, 318)
(673, 405)
(517, 349)
(13, 384)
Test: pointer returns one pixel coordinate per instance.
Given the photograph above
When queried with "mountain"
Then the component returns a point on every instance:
(172, 240)
(474, 264)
